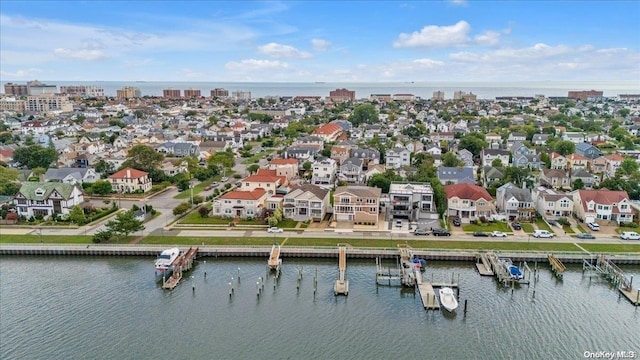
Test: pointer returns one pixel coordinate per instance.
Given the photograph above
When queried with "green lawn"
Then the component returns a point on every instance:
(256, 157)
(528, 228)
(196, 190)
(46, 239)
(542, 225)
(581, 228)
(488, 227)
(195, 218)
(568, 229)
(287, 224)
(217, 241)
(598, 248)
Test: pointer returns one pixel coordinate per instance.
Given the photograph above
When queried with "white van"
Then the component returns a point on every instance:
(542, 234)
(593, 226)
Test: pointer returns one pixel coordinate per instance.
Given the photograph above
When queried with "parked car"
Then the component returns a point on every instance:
(274, 230)
(441, 232)
(516, 226)
(498, 234)
(399, 223)
(542, 234)
(593, 226)
(208, 188)
(480, 234)
(421, 232)
(586, 236)
(629, 235)
(456, 221)
(224, 179)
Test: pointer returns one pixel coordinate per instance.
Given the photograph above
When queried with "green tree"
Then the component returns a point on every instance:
(496, 162)
(105, 167)
(628, 167)
(221, 159)
(34, 156)
(383, 181)
(102, 187)
(76, 215)
(143, 157)
(181, 208)
(306, 166)
(546, 159)
(449, 159)
(253, 168)
(102, 236)
(124, 224)
(578, 184)
(624, 112)
(474, 142)
(564, 147)
(516, 175)
(364, 113)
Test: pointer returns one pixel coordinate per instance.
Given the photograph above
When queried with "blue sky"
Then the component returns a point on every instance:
(333, 41)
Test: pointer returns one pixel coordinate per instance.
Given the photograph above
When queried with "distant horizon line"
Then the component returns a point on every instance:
(339, 82)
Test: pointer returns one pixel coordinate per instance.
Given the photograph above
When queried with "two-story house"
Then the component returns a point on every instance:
(456, 175)
(612, 163)
(488, 155)
(324, 171)
(241, 204)
(514, 202)
(469, 202)
(357, 204)
(602, 204)
(466, 157)
(412, 201)
(555, 178)
(368, 156)
(587, 150)
(306, 202)
(46, 199)
(71, 176)
(577, 161)
(285, 167)
(558, 161)
(130, 180)
(522, 156)
(552, 204)
(397, 157)
(339, 153)
(264, 179)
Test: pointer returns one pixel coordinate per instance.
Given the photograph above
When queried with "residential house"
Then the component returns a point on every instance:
(522, 156)
(339, 153)
(412, 201)
(306, 202)
(356, 204)
(552, 204)
(328, 132)
(514, 202)
(183, 149)
(284, 167)
(558, 161)
(468, 202)
(324, 171)
(588, 151)
(241, 204)
(264, 179)
(351, 171)
(492, 174)
(130, 180)
(555, 178)
(434, 150)
(574, 137)
(540, 139)
(71, 176)
(612, 163)
(587, 178)
(603, 204)
(368, 156)
(397, 157)
(81, 161)
(599, 165)
(456, 175)
(516, 137)
(577, 161)
(172, 168)
(373, 170)
(466, 156)
(488, 155)
(301, 153)
(47, 198)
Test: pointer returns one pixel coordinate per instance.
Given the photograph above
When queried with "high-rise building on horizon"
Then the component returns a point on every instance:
(219, 93)
(438, 96)
(585, 94)
(48, 102)
(342, 95)
(128, 92)
(16, 89)
(241, 95)
(192, 93)
(171, 93)
(35, 87)
(82, 90)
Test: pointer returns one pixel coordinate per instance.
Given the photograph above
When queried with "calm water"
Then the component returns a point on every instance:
(106, 308)
(484, 90)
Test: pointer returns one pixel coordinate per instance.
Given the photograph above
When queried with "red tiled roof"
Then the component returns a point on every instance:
(602, 196)
(467, 191)
(555, 155)
(284, 162)
(576, 157)
(614, 157)
(128, 173)
(244, 195)
(328, 129)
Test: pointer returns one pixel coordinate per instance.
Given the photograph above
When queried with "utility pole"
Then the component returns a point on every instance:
(191, 187)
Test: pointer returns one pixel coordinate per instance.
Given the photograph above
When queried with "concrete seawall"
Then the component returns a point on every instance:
(292, 252)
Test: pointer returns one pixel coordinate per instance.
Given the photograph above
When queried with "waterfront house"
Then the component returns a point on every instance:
(356, 204)
(514, 202)
(552, 204)
(468, 202)
(306, 202)
(602, 204)
(241, 204)
(47, 198)
(265, 179)
(324, 171)
(130, 180)
(412, 201)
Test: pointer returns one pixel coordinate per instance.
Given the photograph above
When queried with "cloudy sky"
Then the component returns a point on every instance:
(329, 41)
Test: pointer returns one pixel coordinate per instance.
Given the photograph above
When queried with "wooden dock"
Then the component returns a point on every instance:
(342, 284)
(183, 263)
(557, 267)
(501, 272)
(483, 265)
(604, 266)
(274, 259)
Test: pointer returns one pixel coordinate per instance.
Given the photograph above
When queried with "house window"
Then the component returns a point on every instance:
(227, 211)
(238, 201)
(600, 207)
(39, 192)
(550, 204)
(465, 202)
(623, 207)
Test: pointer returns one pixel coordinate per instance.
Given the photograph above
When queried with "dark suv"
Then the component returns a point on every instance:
(456, 221)
(441, 232)
(516, 226)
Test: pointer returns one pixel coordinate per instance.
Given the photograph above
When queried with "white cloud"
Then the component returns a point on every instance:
(427, 63)
(458, 2)
(282, 51)
(436, 36)
(19, 74)
(488, 38)
(320, 44)
(191, 74)
(256, 65)
(82, 54)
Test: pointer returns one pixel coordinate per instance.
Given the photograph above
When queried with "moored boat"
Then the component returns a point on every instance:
(166, 259)
(513, 270)
(448, 299)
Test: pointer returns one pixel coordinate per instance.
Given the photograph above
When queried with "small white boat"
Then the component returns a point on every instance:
(165, 260)
(448, 299)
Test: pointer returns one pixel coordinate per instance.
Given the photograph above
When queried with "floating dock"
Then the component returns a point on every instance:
(502, 274)
(557, 267)
(342, 284)
(274, 259)
(604, 266)
(483, 265)
(184, 262)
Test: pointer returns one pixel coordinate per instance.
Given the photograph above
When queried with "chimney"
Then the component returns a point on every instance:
(128, 173)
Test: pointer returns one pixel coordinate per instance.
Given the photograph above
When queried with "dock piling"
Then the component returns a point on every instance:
(465, 307)
(238, 275)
